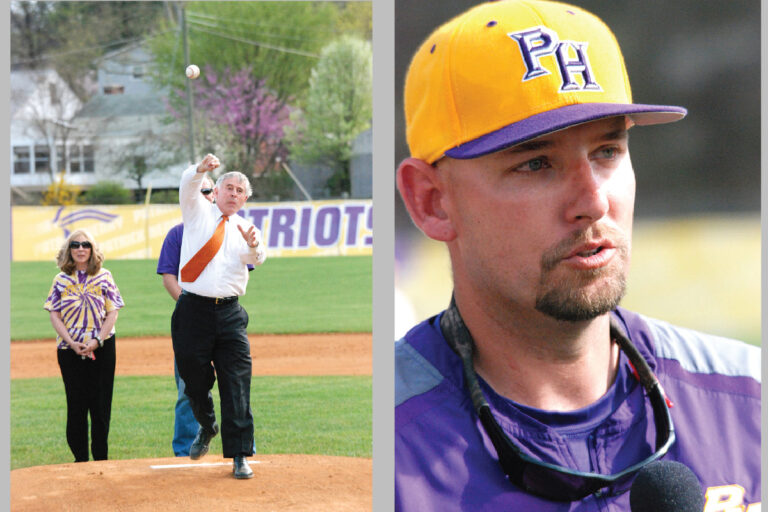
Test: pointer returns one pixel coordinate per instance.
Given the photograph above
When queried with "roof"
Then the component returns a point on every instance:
(112, 105)
(133, 45)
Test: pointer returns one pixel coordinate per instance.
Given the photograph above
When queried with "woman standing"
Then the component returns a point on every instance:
(83, 304)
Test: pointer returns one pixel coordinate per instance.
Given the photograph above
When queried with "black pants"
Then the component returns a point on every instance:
(208, 337)
(88, 385)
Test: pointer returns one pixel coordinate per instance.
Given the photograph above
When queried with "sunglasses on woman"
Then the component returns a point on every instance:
(206, 191)
(77, 245)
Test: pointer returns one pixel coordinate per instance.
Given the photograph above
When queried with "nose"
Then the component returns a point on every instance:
(587, 193)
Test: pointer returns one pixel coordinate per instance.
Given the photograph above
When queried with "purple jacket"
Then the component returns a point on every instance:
(445, 462)
(170, 253)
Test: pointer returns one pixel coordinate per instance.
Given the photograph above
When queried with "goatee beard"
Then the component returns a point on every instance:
(583, 294)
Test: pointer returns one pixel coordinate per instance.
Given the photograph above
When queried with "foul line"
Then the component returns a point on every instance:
(200, 464)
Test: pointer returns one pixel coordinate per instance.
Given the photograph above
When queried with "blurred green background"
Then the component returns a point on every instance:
(700, 272)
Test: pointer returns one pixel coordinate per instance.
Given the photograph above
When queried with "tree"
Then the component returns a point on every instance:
(338, 108)
(355, 18)
(43, 109)
(70, 36)
(30, 34)
(238, 118)
(146, 154)
(279, 41)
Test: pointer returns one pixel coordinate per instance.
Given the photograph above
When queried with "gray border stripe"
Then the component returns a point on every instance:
(704, 353)
(383, 417)
(5, 287)
(414, 375)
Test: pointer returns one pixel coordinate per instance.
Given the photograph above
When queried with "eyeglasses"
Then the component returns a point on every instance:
(543, 479)
(77, 245)
(206, 191)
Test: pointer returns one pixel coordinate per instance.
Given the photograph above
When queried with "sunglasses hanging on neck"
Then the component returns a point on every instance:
(543, 479)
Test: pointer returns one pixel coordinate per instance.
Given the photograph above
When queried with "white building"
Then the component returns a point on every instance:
(42, 109)
(125, 120)
(119, 127)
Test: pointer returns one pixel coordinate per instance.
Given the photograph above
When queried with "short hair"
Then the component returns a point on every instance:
(241, 178)
(64, 257)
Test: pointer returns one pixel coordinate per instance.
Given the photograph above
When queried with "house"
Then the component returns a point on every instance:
(42, 109)
(118, 129)
(125, 121)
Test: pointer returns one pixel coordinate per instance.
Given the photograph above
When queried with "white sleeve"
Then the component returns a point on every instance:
(189, 197)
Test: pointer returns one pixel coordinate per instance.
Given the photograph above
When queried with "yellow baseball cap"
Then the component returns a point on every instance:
(508, 71)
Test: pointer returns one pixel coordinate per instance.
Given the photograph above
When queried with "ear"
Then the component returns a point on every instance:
(422, 191)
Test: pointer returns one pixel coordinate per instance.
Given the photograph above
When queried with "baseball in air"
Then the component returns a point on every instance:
(193, 71)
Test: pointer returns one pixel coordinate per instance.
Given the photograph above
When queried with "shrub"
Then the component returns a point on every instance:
(108, 192)
(164, 197)
(61, 193)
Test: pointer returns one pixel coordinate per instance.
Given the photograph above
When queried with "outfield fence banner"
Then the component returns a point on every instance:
(313, 228)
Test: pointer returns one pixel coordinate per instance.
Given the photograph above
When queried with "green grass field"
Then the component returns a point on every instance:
(285, 295)
(310, 415)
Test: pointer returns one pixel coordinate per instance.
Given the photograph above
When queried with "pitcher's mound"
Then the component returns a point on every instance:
(280, 483)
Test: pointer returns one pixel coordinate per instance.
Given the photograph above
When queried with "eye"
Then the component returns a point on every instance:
(533, 165)
(608, 153)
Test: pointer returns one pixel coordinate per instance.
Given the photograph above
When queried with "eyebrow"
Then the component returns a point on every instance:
(531, 145)
(620, 134)
(534, 145)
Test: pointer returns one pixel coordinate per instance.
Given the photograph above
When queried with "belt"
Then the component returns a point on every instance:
(215, 300)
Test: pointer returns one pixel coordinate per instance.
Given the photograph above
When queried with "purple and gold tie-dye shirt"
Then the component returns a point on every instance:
(83, 302)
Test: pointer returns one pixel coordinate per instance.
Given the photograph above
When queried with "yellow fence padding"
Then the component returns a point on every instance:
(316, 228)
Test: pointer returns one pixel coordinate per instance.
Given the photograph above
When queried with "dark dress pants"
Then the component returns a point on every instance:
(208, 337)
(88, 385)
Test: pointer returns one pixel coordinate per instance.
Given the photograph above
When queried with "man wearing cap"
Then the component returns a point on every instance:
(534, 390)
(208, 326)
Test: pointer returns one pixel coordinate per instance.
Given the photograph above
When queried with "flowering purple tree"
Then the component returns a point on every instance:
(237, 117)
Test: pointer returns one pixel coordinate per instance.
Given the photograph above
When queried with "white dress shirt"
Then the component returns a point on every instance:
(227, 273)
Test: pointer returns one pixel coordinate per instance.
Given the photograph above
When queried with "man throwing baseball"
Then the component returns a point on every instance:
(208, 326)
(534, 390)
(185, 425)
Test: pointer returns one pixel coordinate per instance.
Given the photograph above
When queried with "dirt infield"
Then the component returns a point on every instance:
(305, 354)
(296, 483)
(293, 483)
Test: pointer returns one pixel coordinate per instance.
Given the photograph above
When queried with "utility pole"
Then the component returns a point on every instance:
(190, 99)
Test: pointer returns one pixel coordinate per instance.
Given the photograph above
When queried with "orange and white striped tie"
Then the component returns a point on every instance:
(197, 263)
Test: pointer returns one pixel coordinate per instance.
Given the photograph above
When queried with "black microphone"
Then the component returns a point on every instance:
(666, 486)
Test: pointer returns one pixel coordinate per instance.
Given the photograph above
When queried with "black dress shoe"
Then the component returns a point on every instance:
(241, 468)
(202, 441)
